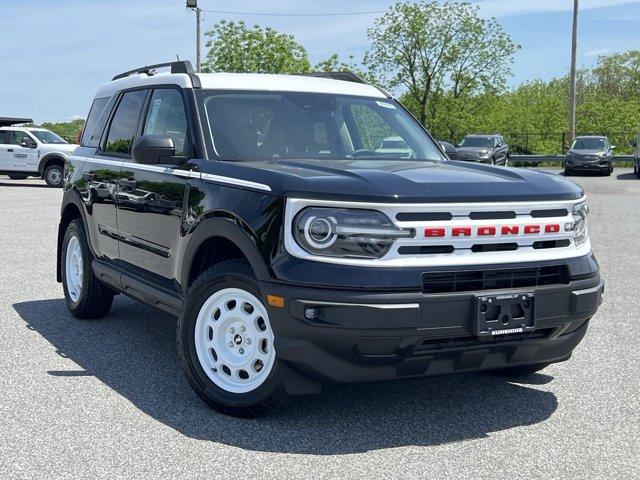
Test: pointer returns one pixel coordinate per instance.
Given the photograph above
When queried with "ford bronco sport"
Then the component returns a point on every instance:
(32, 152)
(261, 212)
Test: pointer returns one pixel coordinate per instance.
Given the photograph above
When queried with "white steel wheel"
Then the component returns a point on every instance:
(234, 340)
(74, 269)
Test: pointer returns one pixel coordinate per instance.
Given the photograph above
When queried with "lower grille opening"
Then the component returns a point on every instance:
(551, 244)
(494, 279)
(494, 247)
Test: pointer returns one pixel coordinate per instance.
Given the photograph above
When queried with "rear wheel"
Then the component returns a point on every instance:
(53, 175)
(567, 172)
(16, 176)
(226, 344)
(85, 296)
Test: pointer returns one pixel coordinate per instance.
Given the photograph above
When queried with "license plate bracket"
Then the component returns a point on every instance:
(504, 314)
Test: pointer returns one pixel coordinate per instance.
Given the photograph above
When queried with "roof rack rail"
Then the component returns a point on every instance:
(182, 66)
(8, 121)
(345, 76)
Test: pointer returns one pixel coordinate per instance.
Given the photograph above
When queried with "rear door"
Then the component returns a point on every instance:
(101, 171)
(151, 197)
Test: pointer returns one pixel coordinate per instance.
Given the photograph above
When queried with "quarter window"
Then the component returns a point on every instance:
(125, 123)
(90, 135)
(166, 116)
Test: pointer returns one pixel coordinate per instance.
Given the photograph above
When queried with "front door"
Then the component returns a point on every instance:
(150, 197)
(18, 156)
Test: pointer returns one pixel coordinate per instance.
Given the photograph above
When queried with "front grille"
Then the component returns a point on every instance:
(494, 279)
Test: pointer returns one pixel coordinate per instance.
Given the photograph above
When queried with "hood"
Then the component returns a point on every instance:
(401, 181)
(59, 147)
(581, 153)
(474, 149)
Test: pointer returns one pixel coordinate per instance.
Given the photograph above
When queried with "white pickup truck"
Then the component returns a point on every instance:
(30, 152)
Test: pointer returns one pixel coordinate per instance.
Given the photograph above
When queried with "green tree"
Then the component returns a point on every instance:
(67, 130)
(438, 50)
(335, 64)
(234, 47)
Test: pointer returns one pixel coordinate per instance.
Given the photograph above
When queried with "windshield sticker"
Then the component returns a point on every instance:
(153, 116)
(386, 105)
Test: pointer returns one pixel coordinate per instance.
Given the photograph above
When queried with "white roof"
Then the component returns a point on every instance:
(245, 81)
(28, 129)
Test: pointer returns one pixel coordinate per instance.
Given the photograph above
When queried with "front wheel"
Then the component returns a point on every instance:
(226, 344)
(54, 176)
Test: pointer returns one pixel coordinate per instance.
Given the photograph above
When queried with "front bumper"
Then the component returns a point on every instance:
(592, 166)
(359, 336)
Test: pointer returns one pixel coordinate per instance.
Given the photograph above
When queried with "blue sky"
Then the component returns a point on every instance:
(55, 53)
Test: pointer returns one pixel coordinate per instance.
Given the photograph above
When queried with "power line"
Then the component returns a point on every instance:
(330, 14)
(271, 14)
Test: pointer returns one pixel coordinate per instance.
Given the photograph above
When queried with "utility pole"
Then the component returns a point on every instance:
(572, 74)
(193, 5)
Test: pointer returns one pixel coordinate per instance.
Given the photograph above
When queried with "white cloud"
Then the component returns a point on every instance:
(597, 52)
(502, 8)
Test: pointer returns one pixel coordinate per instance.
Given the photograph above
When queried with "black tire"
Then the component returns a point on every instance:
(15, 176)
(266, 397)
(54, 176)
(506, 160)
(522, 370)
(567, 173)
(95, 299)
(609, 172)
(493, 161)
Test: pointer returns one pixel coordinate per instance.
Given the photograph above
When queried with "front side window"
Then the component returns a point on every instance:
(125, 123)
(166, 116)
(287, 125)
(45, 136)
(16, 137)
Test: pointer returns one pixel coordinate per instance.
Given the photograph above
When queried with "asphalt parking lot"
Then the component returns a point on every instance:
(108, 399)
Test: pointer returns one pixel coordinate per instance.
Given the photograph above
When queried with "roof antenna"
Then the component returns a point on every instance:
(177, 57)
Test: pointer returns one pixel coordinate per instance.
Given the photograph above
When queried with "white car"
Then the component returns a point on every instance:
(32, 152)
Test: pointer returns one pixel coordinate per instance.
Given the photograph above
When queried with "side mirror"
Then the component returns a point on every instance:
(27, 142)
(153, 149)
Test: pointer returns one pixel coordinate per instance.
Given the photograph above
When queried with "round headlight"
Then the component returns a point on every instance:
(344, 232)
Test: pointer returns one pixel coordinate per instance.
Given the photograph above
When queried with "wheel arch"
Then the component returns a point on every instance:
(53, 158)
(71, 209)
(217, 239)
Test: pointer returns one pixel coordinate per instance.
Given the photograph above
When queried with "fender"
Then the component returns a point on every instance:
(70, 196)
(48, 156)
(227, 228)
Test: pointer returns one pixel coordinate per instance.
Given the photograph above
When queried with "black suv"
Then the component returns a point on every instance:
(490, 149)
(261, 212)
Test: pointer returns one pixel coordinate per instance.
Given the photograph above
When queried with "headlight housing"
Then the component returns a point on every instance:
(579, 225)
(345, 232)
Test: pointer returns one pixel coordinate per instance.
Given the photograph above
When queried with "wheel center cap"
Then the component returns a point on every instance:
(237, 339)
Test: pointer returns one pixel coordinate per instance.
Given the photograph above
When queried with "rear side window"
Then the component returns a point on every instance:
(16, 136)
(91, 135)
(166, 116)
(125, 123)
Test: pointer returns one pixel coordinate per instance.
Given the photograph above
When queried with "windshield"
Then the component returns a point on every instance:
(283, 125)
(591, 143)
(481, 142)
(45, 136)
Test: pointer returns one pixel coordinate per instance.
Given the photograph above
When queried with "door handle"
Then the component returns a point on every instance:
(9, 149)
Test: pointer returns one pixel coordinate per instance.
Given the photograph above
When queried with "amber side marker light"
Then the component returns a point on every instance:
(275, 301)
